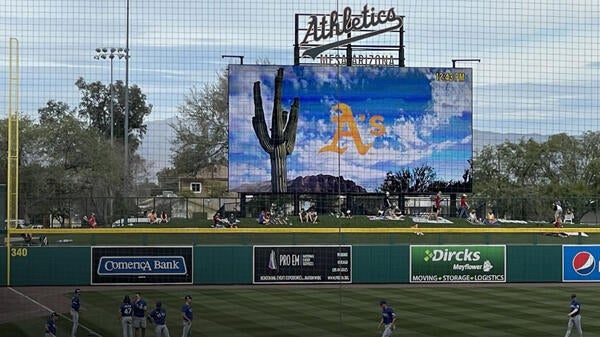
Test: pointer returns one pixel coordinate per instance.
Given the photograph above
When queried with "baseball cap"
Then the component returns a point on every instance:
(54, 314)
(382, 302)
(573, 295)
(77, 291)
(188, 296)
(158, 304)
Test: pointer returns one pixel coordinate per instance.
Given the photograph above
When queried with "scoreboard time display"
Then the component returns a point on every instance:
(302, 264)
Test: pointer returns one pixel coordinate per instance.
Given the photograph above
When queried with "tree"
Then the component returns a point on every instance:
(524, 178)
(418, 180)
(95, 109)
(77, 161)
(201, 128)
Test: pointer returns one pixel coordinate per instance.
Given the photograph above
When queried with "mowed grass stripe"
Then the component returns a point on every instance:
(324, 311)
(448, 311)
(455, 311)
(260, 310)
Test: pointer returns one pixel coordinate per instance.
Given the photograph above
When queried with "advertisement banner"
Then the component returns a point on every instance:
(580, 263)
(142, 265)
(302, 264)
(457, 263)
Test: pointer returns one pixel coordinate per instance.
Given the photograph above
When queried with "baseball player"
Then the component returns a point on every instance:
(574, 317)
(388, 318)
(186, 315)
(159, 317)
(75, 305)
(139, 315)
(50, 328)
(125, 313)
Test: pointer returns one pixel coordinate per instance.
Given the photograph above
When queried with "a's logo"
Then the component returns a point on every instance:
(347, 127)
(583, 263)
(336, 24)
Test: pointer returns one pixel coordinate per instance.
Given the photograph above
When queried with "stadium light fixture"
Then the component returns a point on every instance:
(241, 57)
(463, 60)
(110, 53)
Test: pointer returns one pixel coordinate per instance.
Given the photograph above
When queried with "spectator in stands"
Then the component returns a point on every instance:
(464, 206)
(163, 217)
(490, 219)
(569, 216)
(152, 218)
(85, 221)
(219, 221)
(311, 214)
(438, 204)
(232, 221)
(387, 204)
(92, 220)
(303, 216)
(262, 219)
(557, 214)
(473, 217)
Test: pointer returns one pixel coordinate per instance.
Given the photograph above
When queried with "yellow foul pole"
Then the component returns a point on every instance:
(12, 176)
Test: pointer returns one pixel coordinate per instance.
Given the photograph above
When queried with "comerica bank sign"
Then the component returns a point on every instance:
(353, 26)
(142, 265)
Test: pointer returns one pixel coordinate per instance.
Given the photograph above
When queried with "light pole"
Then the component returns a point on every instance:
(241, 57)
(126, 124)
(463, 60)
(110, 53)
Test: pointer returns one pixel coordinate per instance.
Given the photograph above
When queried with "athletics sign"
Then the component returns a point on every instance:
(353, 27)
(457, 264)
(302, 264)
(141, 265)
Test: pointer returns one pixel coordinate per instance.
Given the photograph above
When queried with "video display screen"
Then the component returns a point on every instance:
(355, 126)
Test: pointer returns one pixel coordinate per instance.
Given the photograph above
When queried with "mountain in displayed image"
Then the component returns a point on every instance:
(320, 183)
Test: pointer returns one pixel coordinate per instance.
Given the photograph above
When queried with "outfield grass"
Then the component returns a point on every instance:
(448, 311)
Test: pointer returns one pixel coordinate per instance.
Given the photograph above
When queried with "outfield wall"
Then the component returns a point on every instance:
(32, 266)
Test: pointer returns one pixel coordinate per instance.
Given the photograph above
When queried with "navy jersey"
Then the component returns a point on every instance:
(187, 311)
(126, 309)
(139, 308)
(159, 316)
(575, 306)
(75, 303)
(387, 315)
(51, 326)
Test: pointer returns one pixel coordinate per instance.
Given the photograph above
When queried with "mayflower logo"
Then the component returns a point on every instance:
(334, 24)
(487, 266)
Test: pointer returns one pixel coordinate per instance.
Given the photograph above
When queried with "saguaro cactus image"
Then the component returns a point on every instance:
(282, 140)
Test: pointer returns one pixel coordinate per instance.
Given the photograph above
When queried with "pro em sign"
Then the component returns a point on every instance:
(457, 263)
(354, 27)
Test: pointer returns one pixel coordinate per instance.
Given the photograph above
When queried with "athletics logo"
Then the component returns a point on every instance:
(583, 263)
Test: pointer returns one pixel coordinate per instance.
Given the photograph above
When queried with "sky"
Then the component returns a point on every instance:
(538, 70)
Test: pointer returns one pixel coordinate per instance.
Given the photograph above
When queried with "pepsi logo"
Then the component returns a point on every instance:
(584, 263)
